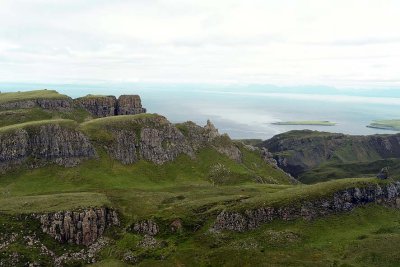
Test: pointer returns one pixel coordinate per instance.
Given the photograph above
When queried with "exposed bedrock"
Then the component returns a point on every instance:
(159, 141)
(45, 143)
(341, 201)
(129, 105)
(82, 227)
(103, 106)
(53, 104)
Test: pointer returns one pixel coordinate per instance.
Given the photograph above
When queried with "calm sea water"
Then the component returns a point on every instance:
(248, 111)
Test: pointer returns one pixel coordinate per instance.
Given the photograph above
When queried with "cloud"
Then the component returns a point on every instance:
(337, 43)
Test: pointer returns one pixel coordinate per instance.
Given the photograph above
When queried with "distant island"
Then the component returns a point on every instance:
(313, 123)
(393, 125)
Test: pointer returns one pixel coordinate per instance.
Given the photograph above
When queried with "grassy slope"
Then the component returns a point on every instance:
(33, 124)
(31, 95)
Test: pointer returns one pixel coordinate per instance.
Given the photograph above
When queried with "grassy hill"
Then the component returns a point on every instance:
(190, 190)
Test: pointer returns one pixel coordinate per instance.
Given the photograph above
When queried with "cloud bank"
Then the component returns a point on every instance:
(342, 43)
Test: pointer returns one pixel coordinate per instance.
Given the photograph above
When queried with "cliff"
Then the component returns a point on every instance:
(104, 106)
(98, 106)
(129, 105)
(82, 227)
(300, 151)
(38, 143)
(340, 201)
(152, 137)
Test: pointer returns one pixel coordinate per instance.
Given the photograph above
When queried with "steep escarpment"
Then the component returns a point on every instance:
(81, 227)
(98, 106)
(55, 102)
(129, 105)
(152, 137)
(300, 151)
(340, 201)
(104, 106)
(38, 143)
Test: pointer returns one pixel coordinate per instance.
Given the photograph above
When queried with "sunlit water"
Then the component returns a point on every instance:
(247, 112)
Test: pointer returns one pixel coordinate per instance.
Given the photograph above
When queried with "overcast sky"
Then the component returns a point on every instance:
(341, 43)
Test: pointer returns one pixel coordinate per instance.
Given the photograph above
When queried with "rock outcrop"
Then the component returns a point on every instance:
(78, 227)
(105, 106)
(38, 145)
(129, 105)
(157, 140)
(98, 106)
(52, 104)
(341, 201)
(384, 173)
(146, 227)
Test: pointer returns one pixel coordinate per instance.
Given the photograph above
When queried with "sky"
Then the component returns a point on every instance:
(341, 43)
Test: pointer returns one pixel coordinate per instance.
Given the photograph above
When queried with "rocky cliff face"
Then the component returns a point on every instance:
(340, 201)
(157, 140)
(299, 151)
(78, 227)
(102, 106)
(42, 144)
(129, 105)
(52, 104)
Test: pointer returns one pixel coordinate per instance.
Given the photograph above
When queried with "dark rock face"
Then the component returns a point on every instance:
(384, 173)
(52, 104)
(98, 106)
(78, 227)
(299, 151)
(163, 144)
(124, 148)
(146, 227)
(341, 201)
(46, 143)
(159, 141)
(104, 106)
(129, 105)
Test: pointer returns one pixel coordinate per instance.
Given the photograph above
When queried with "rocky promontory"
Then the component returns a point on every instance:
(98, 106)
(104, 106)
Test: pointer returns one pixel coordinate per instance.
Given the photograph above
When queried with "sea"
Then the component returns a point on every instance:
(248, 111)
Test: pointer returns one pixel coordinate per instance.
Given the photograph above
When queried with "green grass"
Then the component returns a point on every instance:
(368, 236)
(252, 142)
(310, 123)
(89, 96)
(31, 95)
(35, 124)
(52, 202)
(17, 116)
(386, 125)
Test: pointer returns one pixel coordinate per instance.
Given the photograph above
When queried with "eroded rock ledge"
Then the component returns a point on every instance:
(341, 201)
(53, 104)
(78, 227)
(45, 143)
